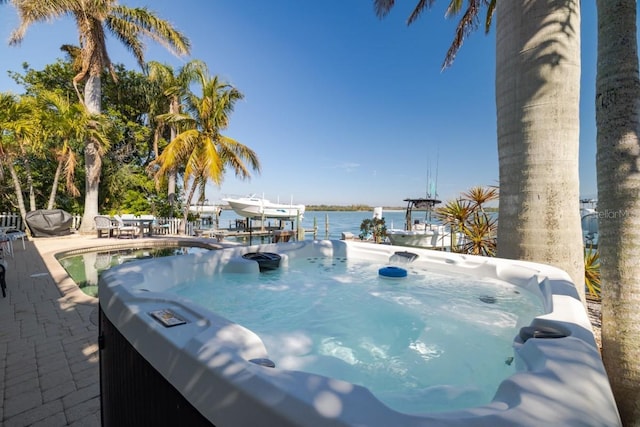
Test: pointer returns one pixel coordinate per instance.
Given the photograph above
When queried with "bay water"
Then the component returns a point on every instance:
(330, 224)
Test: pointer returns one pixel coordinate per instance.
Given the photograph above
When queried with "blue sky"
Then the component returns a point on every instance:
(341, 107)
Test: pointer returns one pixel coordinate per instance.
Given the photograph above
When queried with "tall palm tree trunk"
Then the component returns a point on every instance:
(174, 108)
(92, 158)
(26, 163)
(185, 210)
(171, 185)
(32, 194)
(54, 185)
(537, 99)
(18, 189)
(618, 159)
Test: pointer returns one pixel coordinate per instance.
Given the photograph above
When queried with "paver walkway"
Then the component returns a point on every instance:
(49, 372)
(48, 349)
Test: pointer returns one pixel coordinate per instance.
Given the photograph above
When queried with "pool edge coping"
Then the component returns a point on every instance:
(50, 248)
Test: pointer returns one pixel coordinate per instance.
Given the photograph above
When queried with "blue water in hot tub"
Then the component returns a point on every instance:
(427, 342)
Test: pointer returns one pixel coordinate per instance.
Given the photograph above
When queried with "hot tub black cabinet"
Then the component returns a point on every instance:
(132, 392)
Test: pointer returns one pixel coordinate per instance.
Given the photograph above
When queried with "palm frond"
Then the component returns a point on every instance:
(35, 11)
(159, 30)
(467, 24)
(383, 7)
(128, 33)
(417, 11)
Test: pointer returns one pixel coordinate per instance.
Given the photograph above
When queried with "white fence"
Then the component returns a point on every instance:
(171, 226)
(167, 226)
(12, 220)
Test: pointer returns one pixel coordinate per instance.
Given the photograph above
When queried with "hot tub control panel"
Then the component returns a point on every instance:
(167, 317)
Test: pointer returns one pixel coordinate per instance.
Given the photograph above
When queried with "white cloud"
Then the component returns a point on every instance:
(347, 166)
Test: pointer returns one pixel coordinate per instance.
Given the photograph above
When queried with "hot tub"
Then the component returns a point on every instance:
(165, 359)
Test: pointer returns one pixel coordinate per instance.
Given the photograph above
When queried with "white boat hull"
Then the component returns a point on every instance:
(423, 235)
(420, 239)
(253, 207)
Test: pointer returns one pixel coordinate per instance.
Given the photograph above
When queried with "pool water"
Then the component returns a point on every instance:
(85, 268)
(427, 342)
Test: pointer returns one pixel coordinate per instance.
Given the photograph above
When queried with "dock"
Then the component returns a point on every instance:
(265, 234)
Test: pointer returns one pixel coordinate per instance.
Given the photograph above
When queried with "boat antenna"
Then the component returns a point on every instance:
(428, 186)
(436, 187)
(432, 184)
(427, 215)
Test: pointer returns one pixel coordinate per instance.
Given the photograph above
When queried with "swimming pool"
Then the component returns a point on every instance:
(218, 367)
(85, 265)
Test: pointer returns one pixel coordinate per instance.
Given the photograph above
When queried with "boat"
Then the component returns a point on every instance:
(589, 223)
(259, 207)
(421, 233)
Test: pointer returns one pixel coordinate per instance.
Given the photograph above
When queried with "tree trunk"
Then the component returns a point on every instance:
(537, 100)
(27, 170)
(174, 108)
(54, 185)
(92, 159)
(192, 191)
(618, 123)
(18, 189)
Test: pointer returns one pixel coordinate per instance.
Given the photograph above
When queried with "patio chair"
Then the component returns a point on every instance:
(161, 226)
(104, 224)
(147, 224)
(130, 230)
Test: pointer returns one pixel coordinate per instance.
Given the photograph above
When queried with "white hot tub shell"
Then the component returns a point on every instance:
(560, 381)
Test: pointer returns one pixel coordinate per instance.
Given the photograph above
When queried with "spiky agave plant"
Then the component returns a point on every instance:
(455, 214)
(479, 196)
(467, 217)
(480, 235)
(592, 272)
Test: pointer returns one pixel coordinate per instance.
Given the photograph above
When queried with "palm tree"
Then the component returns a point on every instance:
(537, 97)
(17, 128)
(200, 147)
(618, 148)
(173, 87)
(537, 100)
(94, 18)
(69, 124)
(29, 137)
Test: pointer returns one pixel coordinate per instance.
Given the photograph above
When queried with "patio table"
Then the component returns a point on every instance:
(145, 225)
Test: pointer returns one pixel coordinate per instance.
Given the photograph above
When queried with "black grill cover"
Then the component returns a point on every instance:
(45, 223)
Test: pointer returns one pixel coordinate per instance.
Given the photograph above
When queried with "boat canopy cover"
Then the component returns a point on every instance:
(422, 203)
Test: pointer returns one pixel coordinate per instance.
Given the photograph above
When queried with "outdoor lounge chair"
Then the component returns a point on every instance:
(104, 224)
(130, 230)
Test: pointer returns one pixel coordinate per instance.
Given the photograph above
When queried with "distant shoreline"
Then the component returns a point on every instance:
(356, 208)
(336, 208)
